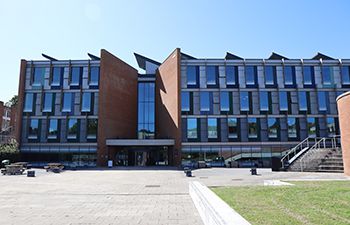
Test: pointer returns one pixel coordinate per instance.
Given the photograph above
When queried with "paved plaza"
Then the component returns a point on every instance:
(119, 196)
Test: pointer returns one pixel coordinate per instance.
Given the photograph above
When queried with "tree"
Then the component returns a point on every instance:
(14, 100)
(9, 148)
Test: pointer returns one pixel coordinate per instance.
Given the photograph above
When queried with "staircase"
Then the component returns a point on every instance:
(323, 156)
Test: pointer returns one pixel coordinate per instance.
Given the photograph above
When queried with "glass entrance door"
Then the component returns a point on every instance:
(141, 158)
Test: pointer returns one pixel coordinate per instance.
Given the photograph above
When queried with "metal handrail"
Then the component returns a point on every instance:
(321, 144)
(293, 151)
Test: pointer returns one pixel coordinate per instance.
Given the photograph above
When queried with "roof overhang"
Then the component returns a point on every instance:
(140, 142)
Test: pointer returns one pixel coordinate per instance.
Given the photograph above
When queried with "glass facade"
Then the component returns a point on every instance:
(289, 76)
(253, 128)
(303, 101)
(331, 127)
(67, 102)
(192, 76)
(284, 102)
(91, 129)
(52, 133)
(309, 76)
(86, 102)
(72, 129)
(28, 102)
(212, 75)
(251, 75)
(33, 133)
(146, 110)
(231, 76)
(273, 128)
(322, 101)
(264, 101)
(94, 76)
(345, 75)
(225, 102)
(311, 127)
(327, 76)
(245, 101)
(292, 127)
(185, 101)
(232, 127)
(76, 75)
(205, 101)
(192, 128)
(48, 102)
(270, 76)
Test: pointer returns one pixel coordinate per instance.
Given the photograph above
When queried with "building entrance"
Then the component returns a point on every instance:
(141, 157)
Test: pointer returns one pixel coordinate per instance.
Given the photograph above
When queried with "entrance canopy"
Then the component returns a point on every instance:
(140, 142)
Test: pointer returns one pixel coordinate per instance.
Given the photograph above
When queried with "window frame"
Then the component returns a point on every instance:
(274, 76)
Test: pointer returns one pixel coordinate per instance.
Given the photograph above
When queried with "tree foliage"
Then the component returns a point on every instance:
(9, 148)
(14, 100)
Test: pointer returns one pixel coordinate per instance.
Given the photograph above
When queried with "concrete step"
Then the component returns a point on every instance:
(331, 171)
(321, 167)
(332, 163)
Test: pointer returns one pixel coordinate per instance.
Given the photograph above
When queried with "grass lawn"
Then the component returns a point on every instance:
(317, 202)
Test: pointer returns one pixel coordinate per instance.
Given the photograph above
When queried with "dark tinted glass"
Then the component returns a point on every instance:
(273, 127)
(53, 129)
(192, 73)
(67, 102)
(331, 129)
(224, 101)
(48, 102)
(76, 75)
(57, 75)
(244, 99)
(311, 127)
(264, 101)
(205, 101)
(231, 75)
(212, 74)
(192, 128)
(232, 127)
(212, 128)
(86, 102)
(345, 74)
(91, 128)
(322, 100)
(289, 75)
(303, 103)
(253, 128)
(185, 101)
(327, 75)
(292, 127)
(283, 97)
(94, 75)
(33, 132)
(309, 75)
(38, 76)
(270, 75)
(72, 129)
(250, 75)
(28, 102)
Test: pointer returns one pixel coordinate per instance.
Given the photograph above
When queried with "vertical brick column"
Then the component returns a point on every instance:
(343, 102)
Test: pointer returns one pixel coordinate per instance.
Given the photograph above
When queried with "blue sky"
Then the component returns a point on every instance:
(68, 29)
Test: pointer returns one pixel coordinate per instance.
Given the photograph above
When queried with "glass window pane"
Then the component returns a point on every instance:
(205, 101)
(53, 129)
(48, 100)
(224, 101)
(28, 103)
(212, 74)
(250, 75)
(33, 132)
(57, 74)
(270, 75)
(185, 101)
(327, 75)
(94, 75)
(232, 127)
(311, 127)
(308, 75)
(91, 129)
(252, 128)
(322, 100)
(76, 76)
(38, 76)
(345, 74)
(289, 75)
(192, 128)
(273, 127)
(212, 128)
(86, 102)
(67, 102)
(283, 101)
(303, 103)
(231, 75)
(331, 129)
(264, 101)
(192, 73)
(292, 127)
(72, 129)
(244, 99)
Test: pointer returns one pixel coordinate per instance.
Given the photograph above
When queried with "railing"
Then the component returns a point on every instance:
(306, 143)
(323, 144)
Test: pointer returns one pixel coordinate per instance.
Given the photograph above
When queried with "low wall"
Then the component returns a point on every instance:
(343, 102)
(212, 209)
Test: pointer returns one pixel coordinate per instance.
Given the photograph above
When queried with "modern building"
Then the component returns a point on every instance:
(225, 112)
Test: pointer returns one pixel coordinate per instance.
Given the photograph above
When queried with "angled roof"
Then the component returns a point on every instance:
(276, 56)
(322, 56)
(93, 57)
(185, 56)
(48, 57)
(141, 61)
(232, 56)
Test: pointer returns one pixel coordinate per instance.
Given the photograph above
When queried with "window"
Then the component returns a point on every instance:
(289, 76)
(245, 101)
(311, 127)
(57, 76)
(94, 75)
(192, 75)
(86, 102)
(345, 75)
(322, 101)
(292, 127)
(251, 75)
(284, 102)
(309, 76)
(28, 102)
(331, 128)
(52, 133)
(264, 101)
(327, 76)
(33, 132)
(38, 76)
(270, 76)
(212, 75)
(91, 129)
(185, 101)
(231, 76)
(72, 129)
(253, 128)
(205, 101)
(273, 127)
(225, 105)
(192, 128)
(76, 74)
(146, 110)
(48, 102)
(67, 102)
(232, 127)
(212, 128)
(303, 101)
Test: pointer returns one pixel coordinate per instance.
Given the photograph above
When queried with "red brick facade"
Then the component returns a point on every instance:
(343, 102)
